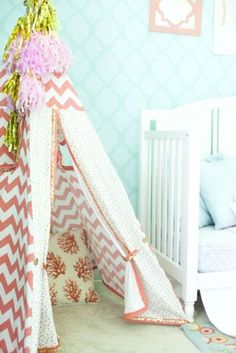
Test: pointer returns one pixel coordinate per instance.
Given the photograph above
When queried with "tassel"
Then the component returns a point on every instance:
(22, 28)
(11, 87)
(47, 21)
(43, 16)
(12, 137)
(40, 18)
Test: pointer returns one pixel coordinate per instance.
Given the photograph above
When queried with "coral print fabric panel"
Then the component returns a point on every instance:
(69, 269)
(176, 16)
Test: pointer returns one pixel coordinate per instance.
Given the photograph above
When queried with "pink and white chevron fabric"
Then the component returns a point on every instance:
(16, 242)
(16, 255)
(61, 94)
(65, 213)
(72, 210)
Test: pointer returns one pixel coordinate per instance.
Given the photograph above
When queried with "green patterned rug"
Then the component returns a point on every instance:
(208, 339)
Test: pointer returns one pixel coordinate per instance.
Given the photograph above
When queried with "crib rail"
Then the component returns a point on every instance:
(171, 145)
(166, 164)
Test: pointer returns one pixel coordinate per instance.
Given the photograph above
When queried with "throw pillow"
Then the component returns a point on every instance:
(205, 218)
(69, 269)
(218, 190)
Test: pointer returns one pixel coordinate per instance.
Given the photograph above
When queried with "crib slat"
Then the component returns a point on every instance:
(164, 197)
(153, 191)
(177, 203)
(149, 188)
(171, 199)
(159, 194)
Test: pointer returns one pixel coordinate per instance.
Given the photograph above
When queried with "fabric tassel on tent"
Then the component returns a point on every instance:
(58, 178)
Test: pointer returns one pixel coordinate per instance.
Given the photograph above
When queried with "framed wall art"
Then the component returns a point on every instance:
(224, 37)
(176, 16)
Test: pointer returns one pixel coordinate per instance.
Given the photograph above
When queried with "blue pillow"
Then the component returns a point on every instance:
(205, 218)
(218, 190)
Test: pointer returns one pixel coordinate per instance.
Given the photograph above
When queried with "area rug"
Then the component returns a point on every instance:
(208, 339)
(100, 328)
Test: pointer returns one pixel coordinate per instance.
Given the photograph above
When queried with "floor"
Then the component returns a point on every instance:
(99, 328)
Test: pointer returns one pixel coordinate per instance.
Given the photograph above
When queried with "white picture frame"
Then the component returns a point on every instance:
(224, 32)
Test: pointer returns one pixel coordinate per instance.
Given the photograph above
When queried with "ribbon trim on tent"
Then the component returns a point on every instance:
(49, 349)
(54, 154)
(131, 255)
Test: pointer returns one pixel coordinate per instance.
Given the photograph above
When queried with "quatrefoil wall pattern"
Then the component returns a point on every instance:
(121, 68)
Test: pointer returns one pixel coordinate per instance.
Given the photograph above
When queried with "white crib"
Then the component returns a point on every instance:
(172, 144)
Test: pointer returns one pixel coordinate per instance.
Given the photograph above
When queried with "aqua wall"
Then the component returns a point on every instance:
(120, 68)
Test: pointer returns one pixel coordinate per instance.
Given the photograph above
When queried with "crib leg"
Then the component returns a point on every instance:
(189, 310)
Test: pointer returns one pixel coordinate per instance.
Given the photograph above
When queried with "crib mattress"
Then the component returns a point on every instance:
(217, 249)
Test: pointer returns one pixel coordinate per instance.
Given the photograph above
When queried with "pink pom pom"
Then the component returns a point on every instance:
(35, 60)
(10, 104)
(13, 54)
(31, 93)
(44, 55)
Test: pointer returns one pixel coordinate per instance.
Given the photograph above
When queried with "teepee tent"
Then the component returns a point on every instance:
(57, 177)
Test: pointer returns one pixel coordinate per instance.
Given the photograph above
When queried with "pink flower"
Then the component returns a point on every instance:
(218, 340)
(206, 330)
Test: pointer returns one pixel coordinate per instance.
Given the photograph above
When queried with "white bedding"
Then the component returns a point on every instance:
(217, 249)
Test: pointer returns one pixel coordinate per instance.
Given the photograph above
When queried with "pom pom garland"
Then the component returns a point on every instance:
(33, 52)
(31, 93)
(40, 17)
(43, 55)
(13, 53)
